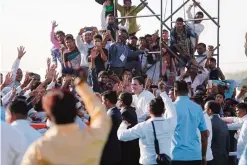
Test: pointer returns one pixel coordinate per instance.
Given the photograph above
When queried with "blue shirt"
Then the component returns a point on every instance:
(2, 113)
(185, 144)
(243, 159)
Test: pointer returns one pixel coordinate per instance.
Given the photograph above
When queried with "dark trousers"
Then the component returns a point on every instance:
(210, 162)
(195, 162)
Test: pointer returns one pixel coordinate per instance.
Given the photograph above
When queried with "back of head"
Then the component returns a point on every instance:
(18, 106)
(111, 96)
(213, 106)
(157, 107)
(181, 88)
(126, 98)
(60, 105)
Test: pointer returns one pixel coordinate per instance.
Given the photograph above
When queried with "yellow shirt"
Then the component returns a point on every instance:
(133, 27)
(67, 144)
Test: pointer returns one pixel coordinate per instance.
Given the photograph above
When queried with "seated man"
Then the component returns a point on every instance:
(180, 40)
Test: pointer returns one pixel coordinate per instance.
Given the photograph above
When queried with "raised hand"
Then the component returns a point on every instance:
(30, 84)
(50, 73)
(26, 80)
(107, 3)
(21, 52)
(54, 24)
(8, 79)
(55, 76)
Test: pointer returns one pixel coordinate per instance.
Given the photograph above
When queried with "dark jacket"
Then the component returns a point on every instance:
(220, 141)
(130, 149)
(112, 151)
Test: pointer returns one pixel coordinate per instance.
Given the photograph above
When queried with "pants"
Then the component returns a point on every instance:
(210, 162)
(195, 162)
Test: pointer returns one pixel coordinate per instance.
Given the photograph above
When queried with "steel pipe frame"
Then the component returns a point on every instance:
(180, 7)
(156, 16)
(199, 19)
(138, 16)
(209, 16)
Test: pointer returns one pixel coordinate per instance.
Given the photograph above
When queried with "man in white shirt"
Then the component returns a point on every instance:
(235, 123)
(141, 99)
(195, 25)
(242, 140)
(16, 114)
(13, 145)
(164, 131)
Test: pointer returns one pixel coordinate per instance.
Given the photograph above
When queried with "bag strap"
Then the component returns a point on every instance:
(156, 142)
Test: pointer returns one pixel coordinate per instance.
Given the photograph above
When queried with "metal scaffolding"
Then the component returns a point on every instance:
(215, 20)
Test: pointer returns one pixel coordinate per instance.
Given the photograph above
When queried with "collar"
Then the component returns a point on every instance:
(62, 129)
(20, 122)
(183, 98)
(157, 119)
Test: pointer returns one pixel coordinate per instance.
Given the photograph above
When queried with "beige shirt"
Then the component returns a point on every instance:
(67, 144)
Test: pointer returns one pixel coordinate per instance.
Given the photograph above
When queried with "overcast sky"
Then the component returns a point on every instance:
(28, 23)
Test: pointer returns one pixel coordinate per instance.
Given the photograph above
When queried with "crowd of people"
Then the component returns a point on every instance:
(111, 98)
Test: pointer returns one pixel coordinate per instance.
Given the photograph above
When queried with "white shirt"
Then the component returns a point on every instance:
(236, 122)
(209, 154)
(199, 79)
(169, 106)
(13, 145)
(83, 48)
(141, 103)
(144, 131)
(201, 60)
(198, 28)
(29, 132)
(242, 139)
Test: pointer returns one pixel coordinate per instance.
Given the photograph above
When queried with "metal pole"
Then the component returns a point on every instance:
(216, 23)
(134, 9)
(161, 29)
(218, 35)
(198, 19)
(156, 16)
(138, 16)
(115, 16)
(171, 28)
(176, 10)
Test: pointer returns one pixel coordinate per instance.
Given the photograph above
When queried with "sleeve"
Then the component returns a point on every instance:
(235, 126)
(30, 157)
(172, 37)
(204, 76)
(120, 8)
(53, 40)
(229, 92)
(95, 83)
(139, 8)
(53, 57)
(125, 134)
(191, 32)
(242, 138)
(80, 45)
(202, 124)
(14, 68)
(103, 20)
(127, 25)
(100, 123)
(112, 52)
(51, 86)
(169, 106)
(229, 119)
(189, 14)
